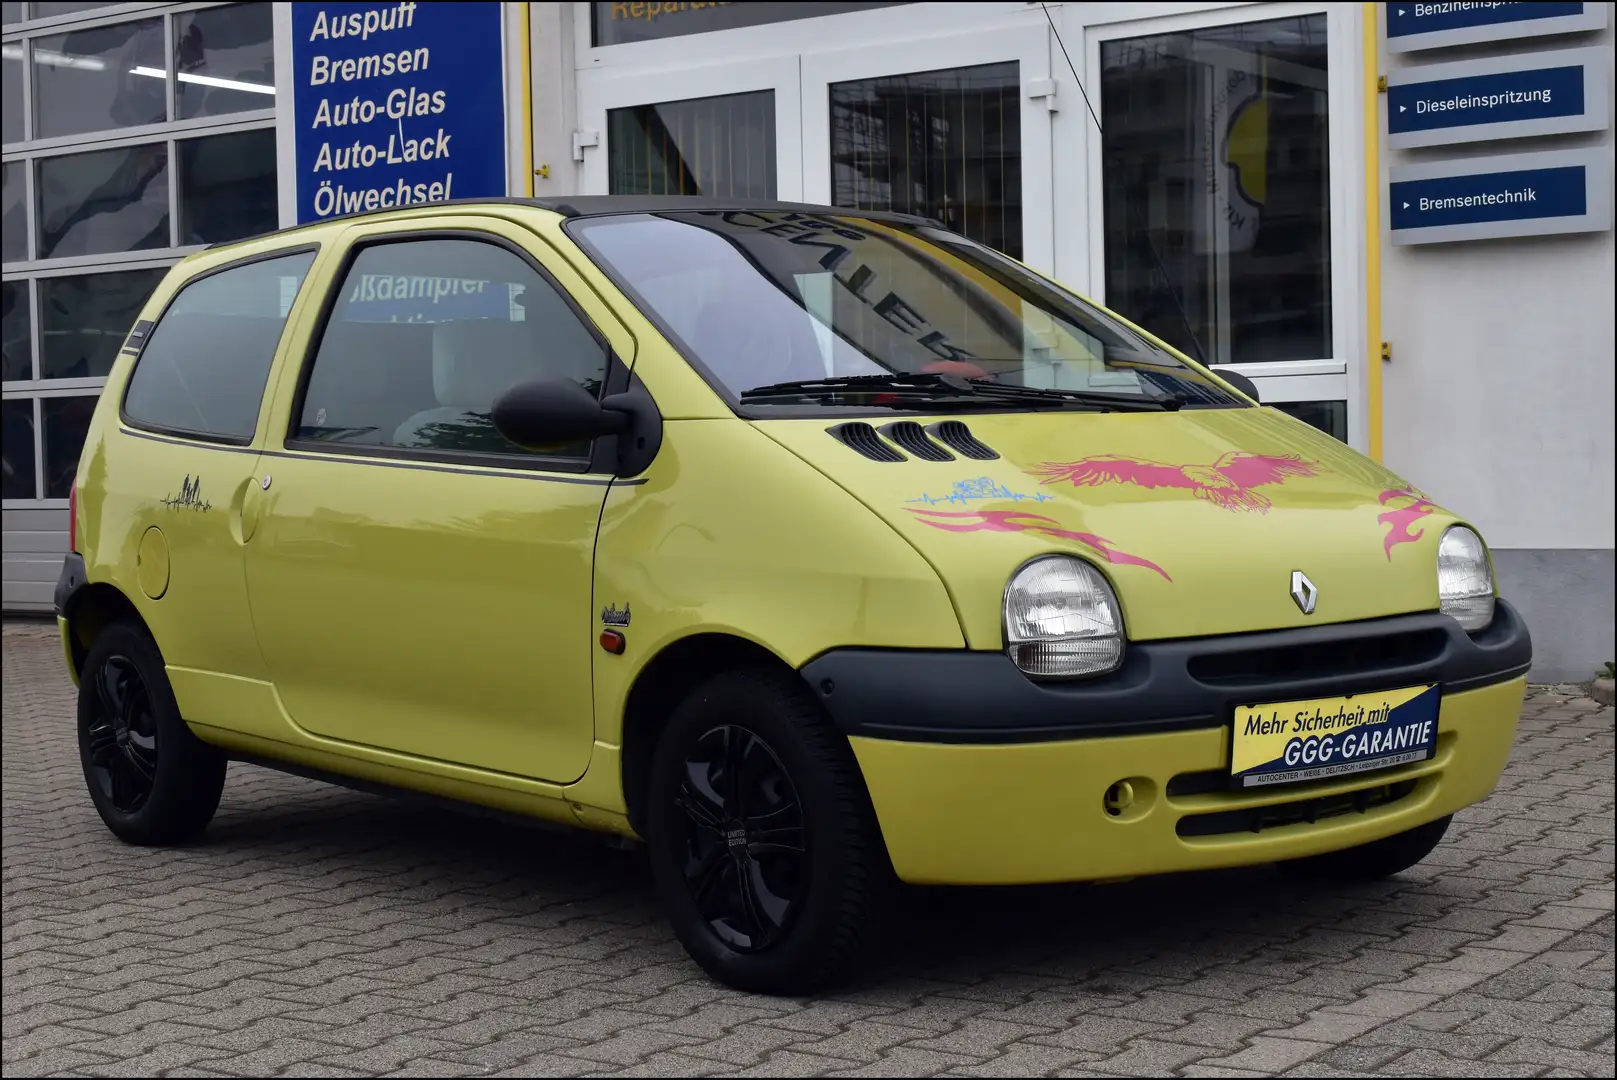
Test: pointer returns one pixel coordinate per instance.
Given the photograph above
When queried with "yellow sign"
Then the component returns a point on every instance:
(1290, 741)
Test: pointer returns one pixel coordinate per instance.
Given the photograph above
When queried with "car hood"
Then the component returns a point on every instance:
(1198, 517)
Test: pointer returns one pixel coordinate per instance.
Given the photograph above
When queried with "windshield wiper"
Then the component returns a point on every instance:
(934, 386)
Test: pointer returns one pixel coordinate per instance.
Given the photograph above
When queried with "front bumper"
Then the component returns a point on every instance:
(980, 775)
(1035, 812)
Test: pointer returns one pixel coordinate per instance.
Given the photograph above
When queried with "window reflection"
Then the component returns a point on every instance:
(108, 200)
(66, 421)
(1329, 416)
(50, 11)
(723, 146)
(1217, 188)
(943, 144)
(225, 60)
(17, 464)
(11, 92)
(10, 13)
(84, 320)
(13, 213)
(227, 187)
(98, 79)
(14, 309)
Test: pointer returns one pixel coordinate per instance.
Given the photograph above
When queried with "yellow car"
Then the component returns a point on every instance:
(820, 549)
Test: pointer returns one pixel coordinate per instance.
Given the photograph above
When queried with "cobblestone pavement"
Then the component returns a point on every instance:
(316, 931)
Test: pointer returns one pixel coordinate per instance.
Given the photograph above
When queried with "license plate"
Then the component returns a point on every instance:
(1291, 741)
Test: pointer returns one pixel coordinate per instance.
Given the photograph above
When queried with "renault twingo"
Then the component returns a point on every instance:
(820, 549)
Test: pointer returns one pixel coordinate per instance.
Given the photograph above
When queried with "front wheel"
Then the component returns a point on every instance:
(1375, 860)
(151, 779)
(765, 851)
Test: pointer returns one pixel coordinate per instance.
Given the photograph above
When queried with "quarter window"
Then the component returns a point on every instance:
(424, 336)
(205, 365)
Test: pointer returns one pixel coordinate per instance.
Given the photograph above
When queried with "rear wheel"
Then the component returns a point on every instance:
(1375, 860)
(151, 779)
(765, 850)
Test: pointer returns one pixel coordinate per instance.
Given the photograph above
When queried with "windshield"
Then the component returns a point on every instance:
(781, 308)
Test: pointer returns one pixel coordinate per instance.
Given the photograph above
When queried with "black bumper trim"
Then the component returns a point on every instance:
(69, 581)
(961, 696)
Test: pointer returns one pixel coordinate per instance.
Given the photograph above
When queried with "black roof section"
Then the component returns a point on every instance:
(575, 206)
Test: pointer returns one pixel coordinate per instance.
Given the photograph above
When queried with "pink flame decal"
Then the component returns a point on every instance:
(1019, 521)
(1399, 519)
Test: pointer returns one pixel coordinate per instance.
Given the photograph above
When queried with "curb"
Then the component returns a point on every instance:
(1602, 691)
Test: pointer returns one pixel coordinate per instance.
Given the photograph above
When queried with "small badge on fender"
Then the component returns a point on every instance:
(612, 615)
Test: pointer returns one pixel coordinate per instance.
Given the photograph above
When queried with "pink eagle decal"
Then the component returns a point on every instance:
(1399, 519)
(1021, 521)
(1228, 482)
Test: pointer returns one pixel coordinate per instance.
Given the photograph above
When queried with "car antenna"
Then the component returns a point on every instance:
(1144, 233)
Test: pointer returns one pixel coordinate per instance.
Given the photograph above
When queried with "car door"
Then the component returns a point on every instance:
(172, 479)
(418, 583)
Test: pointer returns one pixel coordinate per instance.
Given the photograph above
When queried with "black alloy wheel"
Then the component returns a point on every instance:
(746, 859)
(121, 736)
(764, 846)
(151, 779)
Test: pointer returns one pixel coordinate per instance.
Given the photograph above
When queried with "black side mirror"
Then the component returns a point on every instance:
(553, 412)
(1240, 382)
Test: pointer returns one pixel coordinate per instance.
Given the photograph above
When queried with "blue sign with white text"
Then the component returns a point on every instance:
(396, 104)
(1475, 198)
(1405, 19)
(1485, 99)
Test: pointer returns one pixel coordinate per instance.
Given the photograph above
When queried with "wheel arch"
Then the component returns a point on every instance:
(90, 610)
(661, 685)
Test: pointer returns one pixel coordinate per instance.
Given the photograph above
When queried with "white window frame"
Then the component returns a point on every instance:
(1341, 376)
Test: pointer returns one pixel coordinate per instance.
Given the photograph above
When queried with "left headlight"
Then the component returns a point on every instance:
(1464, 579)
(1062, 620)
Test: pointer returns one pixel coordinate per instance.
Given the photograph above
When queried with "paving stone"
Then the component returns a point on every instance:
(316, 931)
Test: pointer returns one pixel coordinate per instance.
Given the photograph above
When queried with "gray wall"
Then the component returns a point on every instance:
(35, 541)
(1565, 596)
(1498, 400)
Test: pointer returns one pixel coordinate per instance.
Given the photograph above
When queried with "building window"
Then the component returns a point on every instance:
(943, 144)
(1217, 188)
(227, 187)
(225, 60)
(84, 320)
(104, 201)
(17, 466)
(99, 79)
(133, 135)
(14, 318)
(722, 146)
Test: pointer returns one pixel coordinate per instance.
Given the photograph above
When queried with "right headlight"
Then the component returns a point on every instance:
(1062, 619)
(1464, 579)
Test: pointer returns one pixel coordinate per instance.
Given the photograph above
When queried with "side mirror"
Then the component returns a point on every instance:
(553, 412)
(1240, 382)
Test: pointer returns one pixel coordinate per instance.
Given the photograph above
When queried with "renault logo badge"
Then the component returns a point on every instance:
(1303, 591)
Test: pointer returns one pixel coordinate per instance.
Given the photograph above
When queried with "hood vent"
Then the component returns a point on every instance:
(958, 437)
(913, 437)
(862, 438)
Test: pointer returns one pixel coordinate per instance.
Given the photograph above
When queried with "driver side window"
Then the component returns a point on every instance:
(425, 335)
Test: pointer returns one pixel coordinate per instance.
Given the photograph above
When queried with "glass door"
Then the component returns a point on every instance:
(1213, 173)
(727, 130)
(953, 128)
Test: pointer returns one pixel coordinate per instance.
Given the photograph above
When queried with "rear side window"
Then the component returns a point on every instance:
(424, 336)
(205, 365)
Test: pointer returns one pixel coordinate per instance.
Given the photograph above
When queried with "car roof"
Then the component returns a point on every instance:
(574, 206)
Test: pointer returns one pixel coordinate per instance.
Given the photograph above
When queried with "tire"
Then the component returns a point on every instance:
(152, 780)
(1375, 860)
(751, 911)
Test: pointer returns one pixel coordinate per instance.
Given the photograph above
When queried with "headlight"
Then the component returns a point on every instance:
(1464, 580)
(1061, 619)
